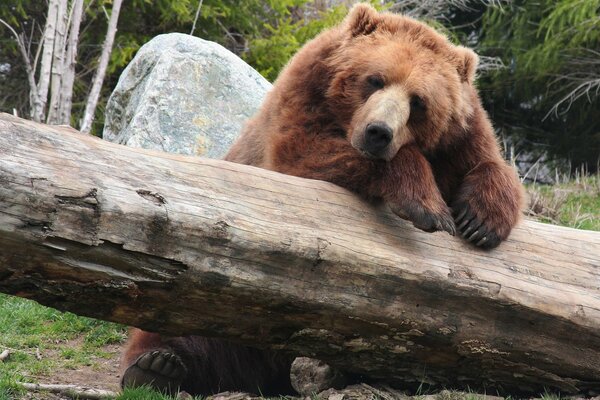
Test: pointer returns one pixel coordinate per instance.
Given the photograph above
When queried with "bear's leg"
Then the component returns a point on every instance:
(147, 362)
(203, 366)
(488, 204)
(406, 183)
(410, 189)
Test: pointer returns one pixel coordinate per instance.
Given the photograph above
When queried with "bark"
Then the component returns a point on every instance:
(68, 79)
(184, 245)
(92, 102)
(47, 56)
(58, 62)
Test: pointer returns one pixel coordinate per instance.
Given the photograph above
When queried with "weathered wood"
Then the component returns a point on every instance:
(184, 245)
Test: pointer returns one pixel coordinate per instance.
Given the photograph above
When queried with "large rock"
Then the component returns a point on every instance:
(182, 94)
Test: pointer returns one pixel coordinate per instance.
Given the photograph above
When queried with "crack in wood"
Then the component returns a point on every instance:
(153, 197)
(88, 200)
(322, 244)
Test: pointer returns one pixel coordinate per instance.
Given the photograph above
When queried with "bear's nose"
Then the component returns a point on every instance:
(377, 136)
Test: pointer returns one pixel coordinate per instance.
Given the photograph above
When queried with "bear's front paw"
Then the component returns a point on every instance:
(476, 231)
(160, 369)
(426, 220)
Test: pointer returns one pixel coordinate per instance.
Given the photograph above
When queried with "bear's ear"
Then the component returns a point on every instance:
(466, 61)
(362, 19)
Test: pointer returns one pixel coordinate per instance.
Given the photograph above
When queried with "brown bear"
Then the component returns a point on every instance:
(386, 107)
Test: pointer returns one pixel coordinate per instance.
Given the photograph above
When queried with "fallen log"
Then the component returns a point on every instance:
(183, 245)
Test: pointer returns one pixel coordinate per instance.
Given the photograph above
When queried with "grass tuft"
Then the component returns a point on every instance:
(574, 203)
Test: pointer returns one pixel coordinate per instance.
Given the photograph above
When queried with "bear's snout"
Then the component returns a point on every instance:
(378, 135)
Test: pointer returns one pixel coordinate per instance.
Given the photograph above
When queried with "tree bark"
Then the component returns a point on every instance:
(68, 78)
(183, 245)
(47, 56)
(92, 102)
(58, 62)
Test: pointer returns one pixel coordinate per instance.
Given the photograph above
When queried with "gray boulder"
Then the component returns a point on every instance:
(185, 95)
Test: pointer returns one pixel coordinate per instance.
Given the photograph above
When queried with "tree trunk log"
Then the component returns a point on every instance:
(183, 245)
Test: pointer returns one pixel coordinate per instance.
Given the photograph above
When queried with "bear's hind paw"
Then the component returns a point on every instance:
(159, 369)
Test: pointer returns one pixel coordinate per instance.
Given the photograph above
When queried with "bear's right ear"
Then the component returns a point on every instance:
(362, 19)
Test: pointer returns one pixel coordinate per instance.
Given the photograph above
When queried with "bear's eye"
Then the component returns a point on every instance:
(376, 82)
(417, 104)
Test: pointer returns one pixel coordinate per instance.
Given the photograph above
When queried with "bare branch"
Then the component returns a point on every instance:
(37, 53)
(92, 102)
(196, 17)
(583, 81)
(487, 63)
(589, 89)
(34, 98)
(72, 391)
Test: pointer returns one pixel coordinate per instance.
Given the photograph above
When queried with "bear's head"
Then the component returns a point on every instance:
(395, 81)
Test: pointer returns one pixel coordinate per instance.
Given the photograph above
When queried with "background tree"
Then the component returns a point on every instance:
(549, 92)
(546, 98)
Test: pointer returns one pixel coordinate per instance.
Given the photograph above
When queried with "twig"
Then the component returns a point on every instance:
(33, 92)
(379, 393)
(196, 17)
(73, 391)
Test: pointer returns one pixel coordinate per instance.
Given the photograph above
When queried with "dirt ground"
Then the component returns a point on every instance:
(103, 373)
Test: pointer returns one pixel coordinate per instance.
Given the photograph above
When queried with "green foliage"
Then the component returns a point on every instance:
(546, 45)
(281, 39)
(269, 53)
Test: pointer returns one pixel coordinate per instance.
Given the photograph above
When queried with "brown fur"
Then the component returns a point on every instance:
(312, 124)
(315, 124)
(215, 365)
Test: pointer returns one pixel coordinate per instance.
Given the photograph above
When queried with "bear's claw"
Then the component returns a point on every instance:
(160, 369)
(472, 229)
(425, 220)
(429, 222)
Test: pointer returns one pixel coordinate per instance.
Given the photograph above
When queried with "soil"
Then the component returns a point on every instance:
(103, 373)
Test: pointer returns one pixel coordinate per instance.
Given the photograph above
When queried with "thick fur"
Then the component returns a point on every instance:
(442, 168)
(202, 366)
(312, 125)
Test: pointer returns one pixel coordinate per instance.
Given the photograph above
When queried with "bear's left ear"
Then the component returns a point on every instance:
(362, 19)
(466, 63)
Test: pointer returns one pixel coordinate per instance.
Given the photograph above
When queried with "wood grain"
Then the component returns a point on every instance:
(184, 245)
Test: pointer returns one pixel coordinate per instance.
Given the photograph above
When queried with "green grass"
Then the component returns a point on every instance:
(143, 393)
(574, 203)
(37, 339)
